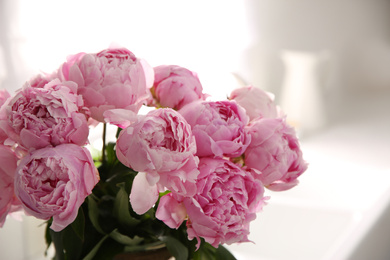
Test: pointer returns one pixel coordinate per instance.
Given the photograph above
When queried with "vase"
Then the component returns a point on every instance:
(155, 254)
(302, 97)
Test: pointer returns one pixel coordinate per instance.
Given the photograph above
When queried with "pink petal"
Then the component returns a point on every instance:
(143, 196)
(171, 212)
(120, 117)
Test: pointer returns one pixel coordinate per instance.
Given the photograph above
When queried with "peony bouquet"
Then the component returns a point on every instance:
(188, 174)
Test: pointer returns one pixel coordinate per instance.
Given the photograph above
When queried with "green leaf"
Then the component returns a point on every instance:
(109, 250)
(110, 153)
(176, 248)
(56, 237)
(72, 243)
(125, 240)
(48, 238)
(121, 208)
(78, 224)
(205, 252)
(93, 252)
(223, 254)
(118, 131)
(93, 213)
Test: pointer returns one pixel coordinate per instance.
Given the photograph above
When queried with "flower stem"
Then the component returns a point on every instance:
(104, 144)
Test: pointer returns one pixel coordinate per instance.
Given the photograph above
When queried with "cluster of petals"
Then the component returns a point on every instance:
(47, 122)
(111, 79)
(226, 201)
(47, 116)
(214, 157)
(275, 152)
(175, 86)
(243, 145)
(160, 144)
(54, 182)
(44, 169)
(218, 127)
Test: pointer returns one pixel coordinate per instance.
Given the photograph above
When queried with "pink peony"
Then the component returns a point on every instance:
(256, 102)
(54, 182)
(8, 201)
(162, 145)
(226, 201)
(218, 127)
(4, 96)
(175, 86)
(275, 152)
(110, 79)
(47, 116)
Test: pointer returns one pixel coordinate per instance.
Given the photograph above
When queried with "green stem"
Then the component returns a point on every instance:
(104, 144)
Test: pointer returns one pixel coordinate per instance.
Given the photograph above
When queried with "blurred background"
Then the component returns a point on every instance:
(326, 61)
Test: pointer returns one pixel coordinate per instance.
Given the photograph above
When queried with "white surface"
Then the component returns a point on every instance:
(22, 240)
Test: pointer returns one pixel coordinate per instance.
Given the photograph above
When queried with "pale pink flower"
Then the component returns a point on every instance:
(4, 97)
(47, 116)
(175, 86)
(8, 201)
(162, 145)
(218, 127)
(226, 201)
(256, 102)
(54, 182)
(110, 79)
(275, 152)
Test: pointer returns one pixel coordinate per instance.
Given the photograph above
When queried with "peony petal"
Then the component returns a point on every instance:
(143, 196)
(171, 211)
(29, 139)
(149, 73)
(120, 117)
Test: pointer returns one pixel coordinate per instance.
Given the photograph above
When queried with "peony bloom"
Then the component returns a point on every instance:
(175, 86)
(54, 182)
(256, 102)
(226, 201)
(275, 152)
(218, 127)
(4, 96)
(8, 201)
(47, 116)
(110, 79)
(162, 145)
